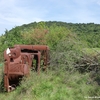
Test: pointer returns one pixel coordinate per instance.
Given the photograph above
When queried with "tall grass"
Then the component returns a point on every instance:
(54, 85)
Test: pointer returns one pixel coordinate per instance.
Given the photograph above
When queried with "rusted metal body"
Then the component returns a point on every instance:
(20, 59)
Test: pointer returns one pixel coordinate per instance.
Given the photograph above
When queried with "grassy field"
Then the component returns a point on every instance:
(60, 82)
(91, 51)
(54, 85)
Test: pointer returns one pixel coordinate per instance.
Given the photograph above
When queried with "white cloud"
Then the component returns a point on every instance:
(12, 14)
(98, 2)
(18, 12)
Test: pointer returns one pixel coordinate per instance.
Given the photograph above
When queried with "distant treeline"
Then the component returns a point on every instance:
(50, 33)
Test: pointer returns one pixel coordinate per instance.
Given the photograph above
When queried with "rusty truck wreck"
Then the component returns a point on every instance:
(20, 59)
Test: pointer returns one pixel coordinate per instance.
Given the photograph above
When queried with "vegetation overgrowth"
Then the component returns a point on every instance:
(74, 70)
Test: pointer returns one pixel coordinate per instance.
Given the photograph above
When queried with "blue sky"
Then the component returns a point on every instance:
(18, 12)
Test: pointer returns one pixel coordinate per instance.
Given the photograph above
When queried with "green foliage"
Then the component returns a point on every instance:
(55, 34)
(70, 45)
(54, 85)
(52, 32)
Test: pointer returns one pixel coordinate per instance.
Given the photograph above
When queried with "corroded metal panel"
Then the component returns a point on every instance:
(20, 59)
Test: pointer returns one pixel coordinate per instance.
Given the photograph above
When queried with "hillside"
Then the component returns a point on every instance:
(74, 70)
